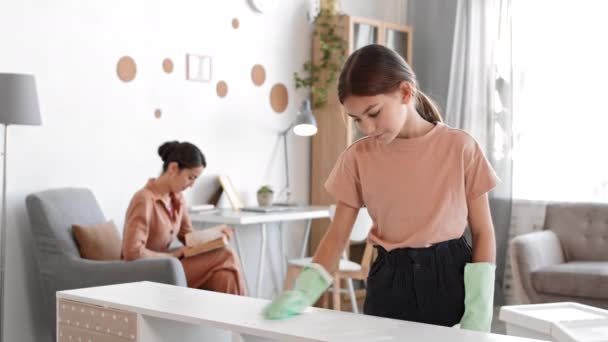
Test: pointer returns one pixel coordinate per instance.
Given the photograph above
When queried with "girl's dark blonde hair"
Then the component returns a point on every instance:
(374, 70)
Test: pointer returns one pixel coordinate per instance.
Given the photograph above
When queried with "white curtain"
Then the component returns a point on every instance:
(472, 71)
(479, 101)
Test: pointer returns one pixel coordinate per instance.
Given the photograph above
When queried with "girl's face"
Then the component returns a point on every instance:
(181, 180)
(380, 116)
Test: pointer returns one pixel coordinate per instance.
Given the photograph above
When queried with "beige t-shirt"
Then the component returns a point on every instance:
(415, 189)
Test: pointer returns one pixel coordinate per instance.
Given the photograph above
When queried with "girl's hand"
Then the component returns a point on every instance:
(312, 282)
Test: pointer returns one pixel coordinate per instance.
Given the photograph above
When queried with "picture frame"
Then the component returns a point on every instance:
(198, 68)
(233, 197)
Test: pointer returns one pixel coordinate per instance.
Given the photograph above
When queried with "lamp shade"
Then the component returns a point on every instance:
(305, 123)
(19, 100)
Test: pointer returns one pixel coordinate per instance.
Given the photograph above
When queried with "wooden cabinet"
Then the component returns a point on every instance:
(365, 31)
(336, 130)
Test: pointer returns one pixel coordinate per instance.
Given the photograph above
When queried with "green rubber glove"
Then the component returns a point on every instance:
(478, 296)
(310, 285)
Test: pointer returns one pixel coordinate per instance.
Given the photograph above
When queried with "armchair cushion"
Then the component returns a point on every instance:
(582, 229)
(98, 242)
(573, 279)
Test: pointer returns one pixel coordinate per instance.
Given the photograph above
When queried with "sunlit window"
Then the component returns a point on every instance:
(560, 60)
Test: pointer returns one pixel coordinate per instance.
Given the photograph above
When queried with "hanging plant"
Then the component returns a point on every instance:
(323, 74)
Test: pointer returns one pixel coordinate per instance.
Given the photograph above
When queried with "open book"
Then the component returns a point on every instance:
(201, 241)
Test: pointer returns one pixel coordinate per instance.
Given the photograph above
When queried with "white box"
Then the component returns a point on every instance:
(559, 322)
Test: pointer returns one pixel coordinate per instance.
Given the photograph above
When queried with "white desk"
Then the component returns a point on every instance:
(152, 312)
(246, 218)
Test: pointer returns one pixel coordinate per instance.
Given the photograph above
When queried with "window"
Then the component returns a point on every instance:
(560, 111)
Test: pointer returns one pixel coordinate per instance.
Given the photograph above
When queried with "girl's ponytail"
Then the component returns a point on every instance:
(427, 108)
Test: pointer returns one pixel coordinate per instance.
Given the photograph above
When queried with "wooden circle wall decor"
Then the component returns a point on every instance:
(168, 65)
(279, 98)
(221, 89)
(235, 23)
(158, 113)
(258, 75)
(126, 69)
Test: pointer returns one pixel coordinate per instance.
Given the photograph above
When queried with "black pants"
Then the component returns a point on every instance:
(423, 285)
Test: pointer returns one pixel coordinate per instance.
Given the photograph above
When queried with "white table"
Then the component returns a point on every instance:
(560, 322)
(247, 218)
(152, 312)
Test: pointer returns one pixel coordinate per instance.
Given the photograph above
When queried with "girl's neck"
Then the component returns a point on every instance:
(415, 126)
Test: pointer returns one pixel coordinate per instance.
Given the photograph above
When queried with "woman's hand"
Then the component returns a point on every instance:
(227, 231)
(178, 252)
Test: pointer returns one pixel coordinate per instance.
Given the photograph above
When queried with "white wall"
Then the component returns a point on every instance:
(393, 11)
(100, 133)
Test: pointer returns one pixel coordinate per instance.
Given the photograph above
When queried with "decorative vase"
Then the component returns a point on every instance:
(265, 199)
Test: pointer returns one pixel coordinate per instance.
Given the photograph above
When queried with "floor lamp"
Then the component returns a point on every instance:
(304, 125)
(18, 106)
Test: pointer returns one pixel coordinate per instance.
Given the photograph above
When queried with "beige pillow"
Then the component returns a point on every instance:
(98, 242)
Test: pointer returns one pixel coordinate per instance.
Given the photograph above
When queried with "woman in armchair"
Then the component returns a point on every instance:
(158, 214)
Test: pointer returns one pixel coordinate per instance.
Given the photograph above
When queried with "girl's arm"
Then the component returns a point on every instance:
(336, 239)
(482, 230)
(479, 276)
(316, 278)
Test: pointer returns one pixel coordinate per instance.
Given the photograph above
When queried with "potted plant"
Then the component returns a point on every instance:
(322, 74)
(265, 194)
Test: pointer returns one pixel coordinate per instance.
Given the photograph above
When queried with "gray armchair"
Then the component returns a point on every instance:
(567, 260)
(51, 215)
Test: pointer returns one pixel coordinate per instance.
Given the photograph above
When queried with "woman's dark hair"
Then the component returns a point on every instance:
(374, 70)
(185, 154)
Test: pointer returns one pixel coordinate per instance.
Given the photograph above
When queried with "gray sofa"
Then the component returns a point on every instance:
(567, 260)
(51, 215)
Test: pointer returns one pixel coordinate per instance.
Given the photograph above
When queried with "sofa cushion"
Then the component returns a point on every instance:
(577, 279)
(98, 242)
